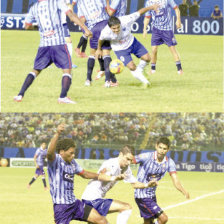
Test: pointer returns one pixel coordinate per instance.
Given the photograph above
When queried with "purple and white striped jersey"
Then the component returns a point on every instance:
(163, 19)
(47, 14)
(41, 155)
(94, 11)
(149, 169)
(120, 6)
(61, 180)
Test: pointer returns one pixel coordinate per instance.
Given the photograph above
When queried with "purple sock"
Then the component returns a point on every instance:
(28, 81)
(65, 84)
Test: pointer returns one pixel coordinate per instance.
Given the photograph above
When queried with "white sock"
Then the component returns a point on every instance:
(138, 75)
(69, 45)
(123, 217)
(156, 222)
(142, 65)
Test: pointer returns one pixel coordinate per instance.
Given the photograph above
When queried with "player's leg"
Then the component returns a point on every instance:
(33, 179)
(170, 41)
(96, 218)
(176, 59)
(162, 218)
(90, 66)
(154, 59)
(124, 210)
(81, 45)
(62, 59)
(42, 61)
(42, 173)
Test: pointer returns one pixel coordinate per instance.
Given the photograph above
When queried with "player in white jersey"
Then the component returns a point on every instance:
(52, 48)
(61, 170)
(162, 30)
(123, 43)
(115, 8)
(96, 190)
(153, 166)
(39, 159)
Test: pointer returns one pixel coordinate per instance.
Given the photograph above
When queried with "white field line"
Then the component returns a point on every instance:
(196, 218)
(192, 200)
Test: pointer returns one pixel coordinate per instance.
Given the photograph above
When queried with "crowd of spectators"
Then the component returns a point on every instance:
(187, 131)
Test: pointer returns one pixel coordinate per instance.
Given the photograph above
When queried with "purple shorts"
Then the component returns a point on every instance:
(101, 205)
(40, 171)
(96, 30)
(148, 208)
(64, 213)
(136, 48)
(163, 36)
(58, 55)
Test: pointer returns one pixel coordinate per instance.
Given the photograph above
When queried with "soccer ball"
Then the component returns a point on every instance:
(116, 66)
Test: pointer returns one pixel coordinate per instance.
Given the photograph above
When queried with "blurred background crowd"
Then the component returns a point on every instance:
(187, 131)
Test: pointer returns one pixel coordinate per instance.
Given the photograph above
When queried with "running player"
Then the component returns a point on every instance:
(116, 8)
(39, 158)
(123, 43)
(52, 48)
(153, 166)
(96, 190)
(162, 32)
(61, 170)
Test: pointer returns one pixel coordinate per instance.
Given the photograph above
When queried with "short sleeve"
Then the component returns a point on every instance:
(141, 158)
(172, 3)
(115, 4)
(64, 8)
(171, 166)
(30, 18)
(105, 34)
(78, 168)
(129, 176)
(129, 19)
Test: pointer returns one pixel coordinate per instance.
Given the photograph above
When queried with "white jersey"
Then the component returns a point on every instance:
(98, 189)
(124, 39)
(47, 14)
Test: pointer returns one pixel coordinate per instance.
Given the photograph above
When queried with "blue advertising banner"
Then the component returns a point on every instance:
(190, 25)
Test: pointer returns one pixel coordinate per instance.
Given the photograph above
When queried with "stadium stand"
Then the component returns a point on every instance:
(21, 6)
(187, 131)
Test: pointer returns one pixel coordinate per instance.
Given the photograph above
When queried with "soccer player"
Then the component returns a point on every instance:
(61, 170)
(52, 48)
(116, 8)
(96, 17)
(162, 30)
(39, 158)
(153, 166)
(123, 43)
(96, 190)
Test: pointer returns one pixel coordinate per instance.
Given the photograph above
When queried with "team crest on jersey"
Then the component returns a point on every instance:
(68, 177)
(122, 58)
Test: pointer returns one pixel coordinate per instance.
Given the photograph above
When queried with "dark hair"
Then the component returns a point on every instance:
(128, 149)
(163, 140)
(113, 21)
(65, 144)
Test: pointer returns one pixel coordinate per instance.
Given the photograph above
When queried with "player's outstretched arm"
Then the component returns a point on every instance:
(179, 186)
(151, 183)
(52, 145)
(75, 19)
(152, 7)
(101, 176)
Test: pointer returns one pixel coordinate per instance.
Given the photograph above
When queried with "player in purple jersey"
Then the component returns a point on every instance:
(52, 48)
(162, 30)
(39, 158)
(153, 166)
(61, 170)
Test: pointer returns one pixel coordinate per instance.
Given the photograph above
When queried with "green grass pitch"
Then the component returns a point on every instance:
(20, 205)
(199, 89)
